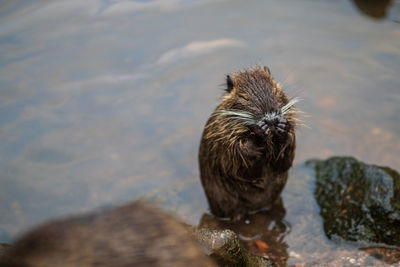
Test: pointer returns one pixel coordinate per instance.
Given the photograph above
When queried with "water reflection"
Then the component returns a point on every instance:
(262, 233)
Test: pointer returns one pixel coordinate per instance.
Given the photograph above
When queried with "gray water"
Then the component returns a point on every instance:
(104, 101)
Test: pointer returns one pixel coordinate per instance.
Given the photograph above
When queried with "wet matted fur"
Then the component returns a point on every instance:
(248, 144)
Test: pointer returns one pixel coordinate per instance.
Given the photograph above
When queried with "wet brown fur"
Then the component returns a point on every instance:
(132, 235)
(242, 171)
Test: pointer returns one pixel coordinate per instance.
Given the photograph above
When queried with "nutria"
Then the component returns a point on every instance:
(132, 235)
(248, 144)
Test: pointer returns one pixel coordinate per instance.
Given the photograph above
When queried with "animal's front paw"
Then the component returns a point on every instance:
(263, 128)
(270, 126)
(282, 125)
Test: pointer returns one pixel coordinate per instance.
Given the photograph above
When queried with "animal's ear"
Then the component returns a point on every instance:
(229, 83)
(266, 69)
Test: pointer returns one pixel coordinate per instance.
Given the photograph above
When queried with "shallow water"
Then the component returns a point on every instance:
(104, 101)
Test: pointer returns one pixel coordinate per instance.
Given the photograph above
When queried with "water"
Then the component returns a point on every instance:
(104, 101)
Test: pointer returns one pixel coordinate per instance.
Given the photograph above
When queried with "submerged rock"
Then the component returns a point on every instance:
(224, 247)
(261, 234)
(358, 202)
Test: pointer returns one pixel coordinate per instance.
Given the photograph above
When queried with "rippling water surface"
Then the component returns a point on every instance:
(104, 101)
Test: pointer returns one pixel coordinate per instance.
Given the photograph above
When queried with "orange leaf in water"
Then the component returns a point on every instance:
(262, 246)
(349, 188)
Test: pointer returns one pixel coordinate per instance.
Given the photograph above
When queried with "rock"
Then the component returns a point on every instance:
(373, 8)
(224, 247)
(358, 202)
(261, 234)
(135, 234)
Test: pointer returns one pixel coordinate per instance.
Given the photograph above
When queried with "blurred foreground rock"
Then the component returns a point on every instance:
(135, 234)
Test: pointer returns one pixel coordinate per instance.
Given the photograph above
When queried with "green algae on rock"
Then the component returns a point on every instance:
(358, 202)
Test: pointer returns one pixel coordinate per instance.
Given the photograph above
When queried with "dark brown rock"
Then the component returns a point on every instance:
(132, 235)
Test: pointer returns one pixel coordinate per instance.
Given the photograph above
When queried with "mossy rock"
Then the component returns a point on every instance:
(358, 202)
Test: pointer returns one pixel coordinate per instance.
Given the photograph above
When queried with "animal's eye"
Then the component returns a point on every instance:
(229, 83)
(267, 70)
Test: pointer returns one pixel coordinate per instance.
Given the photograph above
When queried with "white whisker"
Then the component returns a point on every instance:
(237, 116)
(286, 108)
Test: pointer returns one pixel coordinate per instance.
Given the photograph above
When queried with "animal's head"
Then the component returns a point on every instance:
(253, 96)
